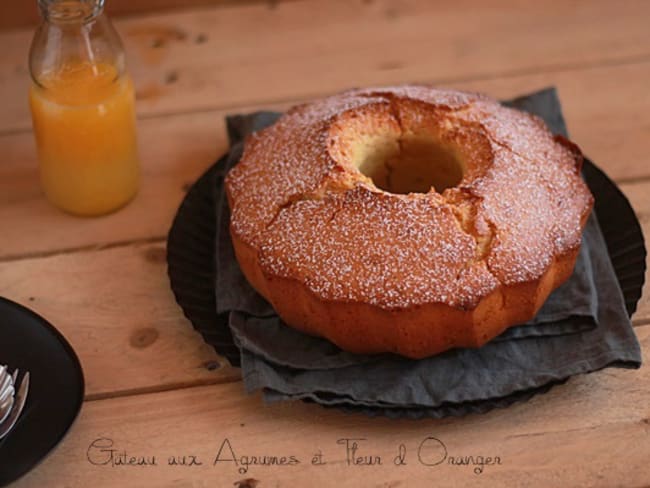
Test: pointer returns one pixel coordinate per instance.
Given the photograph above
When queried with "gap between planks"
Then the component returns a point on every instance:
(86, 248)
(507, 74)
(163, 238)
(235, 377)
(22, 15)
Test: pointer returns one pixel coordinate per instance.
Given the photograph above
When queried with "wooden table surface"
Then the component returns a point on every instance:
(155, 389)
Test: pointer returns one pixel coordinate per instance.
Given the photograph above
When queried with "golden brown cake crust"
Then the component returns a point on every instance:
(411, 273)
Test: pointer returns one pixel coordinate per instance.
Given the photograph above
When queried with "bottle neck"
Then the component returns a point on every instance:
(70, 11)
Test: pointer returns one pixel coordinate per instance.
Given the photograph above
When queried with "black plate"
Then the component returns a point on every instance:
(56, 392)
(191, 247)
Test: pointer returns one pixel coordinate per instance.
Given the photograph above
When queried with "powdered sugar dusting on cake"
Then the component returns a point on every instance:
(450, 99)
(288, 159)
(393, 251)
(364, 245)
(532, 193)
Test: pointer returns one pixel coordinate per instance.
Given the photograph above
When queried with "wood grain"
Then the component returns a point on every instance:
(251, 54)
(156, 389)
(592, 431)
(607, 110)
(25, 13)
(174, 153)
(176, 149)
(116, 308)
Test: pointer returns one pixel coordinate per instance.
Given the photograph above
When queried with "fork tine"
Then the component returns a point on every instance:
(26, 382)
(5, 402)
(5, 409)
(7, 392)
(6, 386)
(16, 410)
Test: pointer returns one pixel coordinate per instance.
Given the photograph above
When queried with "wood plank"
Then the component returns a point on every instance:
(251, 54)
(607, 110)
(137, 319)
(116, 308)
(592, 431)
(177, 149)
(22, 14)
(155, 343)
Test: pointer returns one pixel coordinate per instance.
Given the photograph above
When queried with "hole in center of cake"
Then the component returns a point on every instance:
(412, 163)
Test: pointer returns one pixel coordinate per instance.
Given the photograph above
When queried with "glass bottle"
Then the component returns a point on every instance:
(83, 114)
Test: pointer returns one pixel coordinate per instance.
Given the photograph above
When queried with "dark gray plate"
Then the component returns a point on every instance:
(56, 392)
(190, 251)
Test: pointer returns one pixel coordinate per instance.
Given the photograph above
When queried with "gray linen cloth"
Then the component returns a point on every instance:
(582, 327)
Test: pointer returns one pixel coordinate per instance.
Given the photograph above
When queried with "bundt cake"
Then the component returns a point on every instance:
(407, 219)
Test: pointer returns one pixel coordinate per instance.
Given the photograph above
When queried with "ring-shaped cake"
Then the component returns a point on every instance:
(407, 219)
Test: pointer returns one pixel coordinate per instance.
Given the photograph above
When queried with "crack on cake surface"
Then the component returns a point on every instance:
(345, 242)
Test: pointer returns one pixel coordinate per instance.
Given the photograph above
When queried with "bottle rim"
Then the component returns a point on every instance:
(62, 11)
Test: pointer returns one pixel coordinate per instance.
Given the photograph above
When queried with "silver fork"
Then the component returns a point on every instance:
(14, 401)
(6, 393)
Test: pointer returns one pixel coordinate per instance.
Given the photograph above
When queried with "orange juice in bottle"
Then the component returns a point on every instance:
(82, 104)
